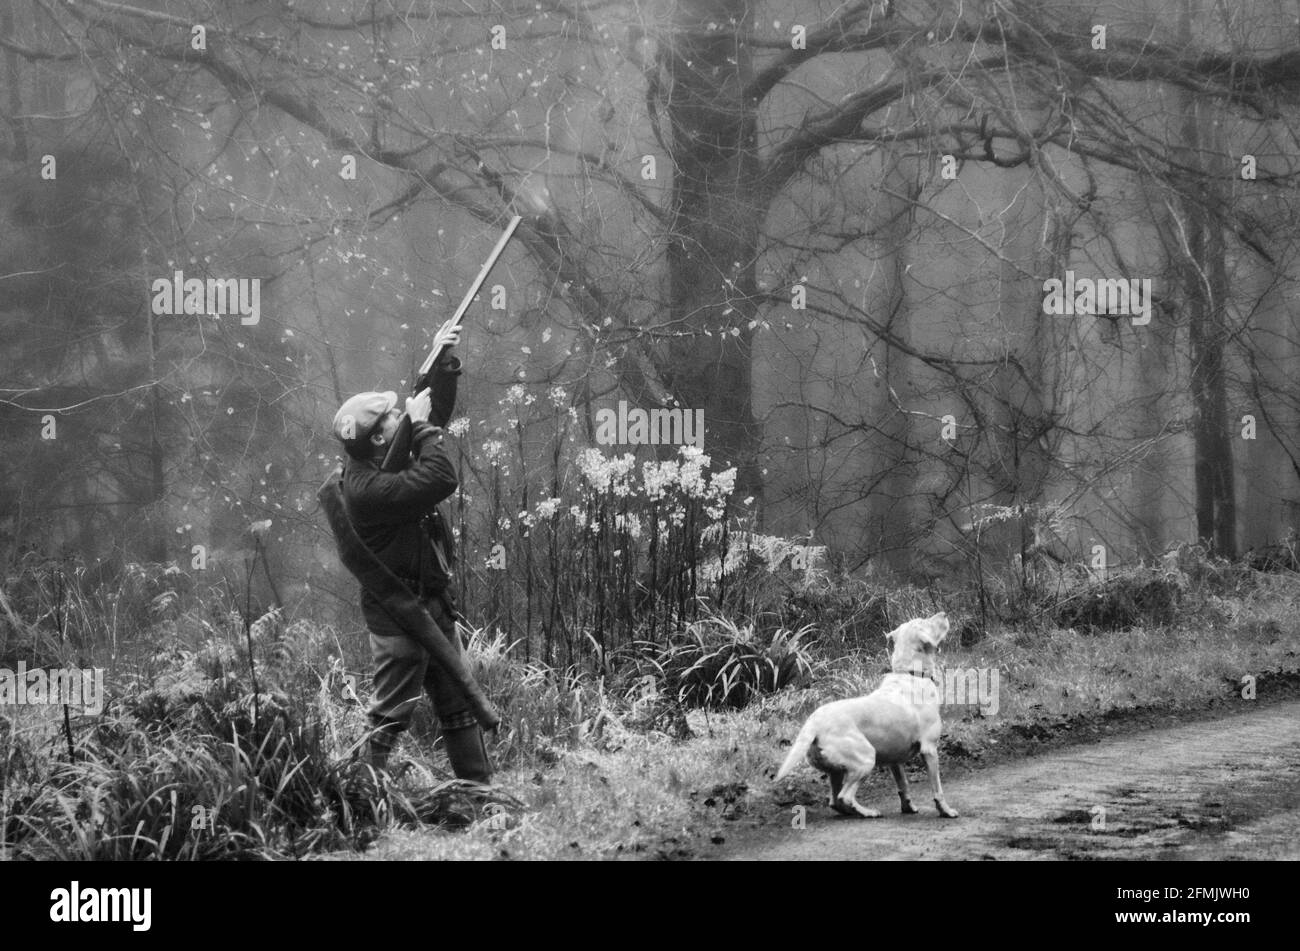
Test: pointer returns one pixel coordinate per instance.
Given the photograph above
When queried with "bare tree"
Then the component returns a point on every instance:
(1005, 139)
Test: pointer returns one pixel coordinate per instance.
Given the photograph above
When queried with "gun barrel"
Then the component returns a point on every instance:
(400, 447)
(432, 358)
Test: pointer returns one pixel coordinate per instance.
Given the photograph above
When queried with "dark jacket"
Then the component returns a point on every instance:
(396, 513)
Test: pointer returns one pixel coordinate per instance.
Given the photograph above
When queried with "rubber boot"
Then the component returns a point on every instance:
(382, 742)
(468, 754)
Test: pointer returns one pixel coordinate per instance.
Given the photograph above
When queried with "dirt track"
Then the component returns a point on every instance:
(1222, 789)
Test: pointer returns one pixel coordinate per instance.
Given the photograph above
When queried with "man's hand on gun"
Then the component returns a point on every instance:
(419, 406)
(448, 334)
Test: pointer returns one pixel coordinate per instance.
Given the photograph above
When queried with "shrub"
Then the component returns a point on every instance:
(1127, 600)
(1283, 556)
(719, 664)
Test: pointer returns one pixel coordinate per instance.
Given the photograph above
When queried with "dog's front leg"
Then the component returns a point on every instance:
(903, 797)
(932, 767)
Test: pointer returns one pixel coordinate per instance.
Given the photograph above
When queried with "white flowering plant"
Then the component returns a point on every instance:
(586, 556)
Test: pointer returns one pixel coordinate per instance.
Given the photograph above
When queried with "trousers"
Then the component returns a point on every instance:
(403, 670)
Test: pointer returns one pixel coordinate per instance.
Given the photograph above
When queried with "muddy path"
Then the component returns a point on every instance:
(1221, 789)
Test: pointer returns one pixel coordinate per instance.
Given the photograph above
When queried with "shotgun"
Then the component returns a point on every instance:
(399, 450)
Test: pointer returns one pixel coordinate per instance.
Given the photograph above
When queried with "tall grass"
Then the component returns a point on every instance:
(189, 761)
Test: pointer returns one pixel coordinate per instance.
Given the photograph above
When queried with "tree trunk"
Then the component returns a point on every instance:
(714, 239)
(1205, 285)
(17, 126)
(156, 540)
(1018, 467)
(894, 508)
(1216, 514)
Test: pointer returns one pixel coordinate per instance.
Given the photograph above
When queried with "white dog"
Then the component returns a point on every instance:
(846, 738)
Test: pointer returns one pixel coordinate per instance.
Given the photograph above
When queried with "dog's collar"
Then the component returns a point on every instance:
(916, 673)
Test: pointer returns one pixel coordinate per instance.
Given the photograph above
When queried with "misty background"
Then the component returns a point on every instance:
(829, 239)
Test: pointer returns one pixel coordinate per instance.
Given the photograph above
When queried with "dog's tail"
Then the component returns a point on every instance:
(799, 749)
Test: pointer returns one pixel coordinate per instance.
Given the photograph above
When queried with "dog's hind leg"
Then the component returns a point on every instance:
(901, 781)
(831, 767)
(859, 756)
(836, 776)
(932, 767)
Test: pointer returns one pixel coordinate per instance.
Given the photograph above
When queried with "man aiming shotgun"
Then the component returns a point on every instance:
(384, 511)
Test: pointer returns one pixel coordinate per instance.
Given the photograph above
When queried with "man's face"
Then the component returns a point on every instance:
(387, 427)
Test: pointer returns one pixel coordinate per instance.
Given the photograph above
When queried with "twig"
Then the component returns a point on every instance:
(60, 622)
(248, 634)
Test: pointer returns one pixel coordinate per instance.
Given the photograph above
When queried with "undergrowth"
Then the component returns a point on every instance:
(224, 737)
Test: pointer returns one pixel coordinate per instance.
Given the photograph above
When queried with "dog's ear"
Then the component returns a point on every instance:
(938, 627)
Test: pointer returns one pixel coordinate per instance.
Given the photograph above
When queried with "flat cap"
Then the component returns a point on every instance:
(358, 417)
